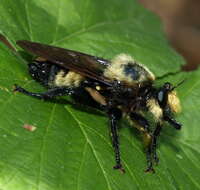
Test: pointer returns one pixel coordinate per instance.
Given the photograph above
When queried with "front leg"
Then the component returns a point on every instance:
(172, 121)
(151, 149)
(167, 116)
(143, 126)
(50, 94)
(155, 135)
(114, 116)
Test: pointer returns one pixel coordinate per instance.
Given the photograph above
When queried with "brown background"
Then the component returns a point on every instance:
(181, 20)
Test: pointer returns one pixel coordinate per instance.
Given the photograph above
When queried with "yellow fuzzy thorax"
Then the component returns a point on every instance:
(116, 70)
(174, 102)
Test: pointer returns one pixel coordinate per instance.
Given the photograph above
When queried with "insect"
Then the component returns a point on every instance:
(121, 87)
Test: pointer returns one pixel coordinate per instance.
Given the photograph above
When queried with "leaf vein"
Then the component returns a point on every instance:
(81, 165)
(109, 144)
(57, 24)
(28, 20)
(82, 30)
(42, 147)
(90, 143)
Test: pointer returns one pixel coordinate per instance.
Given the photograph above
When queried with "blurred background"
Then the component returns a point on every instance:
(181, 20)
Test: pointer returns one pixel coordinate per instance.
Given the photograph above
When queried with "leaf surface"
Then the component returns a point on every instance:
(71, 147)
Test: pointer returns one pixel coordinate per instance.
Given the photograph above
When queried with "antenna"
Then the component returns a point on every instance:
(178, 84)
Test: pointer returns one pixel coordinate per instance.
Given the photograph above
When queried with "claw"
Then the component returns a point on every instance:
(16, 88)
(150, 170)
(119, 166)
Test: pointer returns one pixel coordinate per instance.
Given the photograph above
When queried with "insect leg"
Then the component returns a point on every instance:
(149, 160)
(173, 122)
(139, 119)
(143, 126)
(114, 115)
(155, 135)
(59, 91)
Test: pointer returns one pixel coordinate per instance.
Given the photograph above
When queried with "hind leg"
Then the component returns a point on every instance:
(50, 94)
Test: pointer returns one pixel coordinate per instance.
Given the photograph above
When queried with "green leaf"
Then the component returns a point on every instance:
(71, 148)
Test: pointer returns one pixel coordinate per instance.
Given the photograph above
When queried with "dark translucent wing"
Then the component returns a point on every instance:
(86, 65)
(6, 42)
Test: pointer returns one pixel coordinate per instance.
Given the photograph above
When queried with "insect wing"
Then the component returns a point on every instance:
(4, 40)
(86, 65)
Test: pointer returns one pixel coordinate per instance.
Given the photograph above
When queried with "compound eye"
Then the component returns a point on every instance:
(160, 96)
